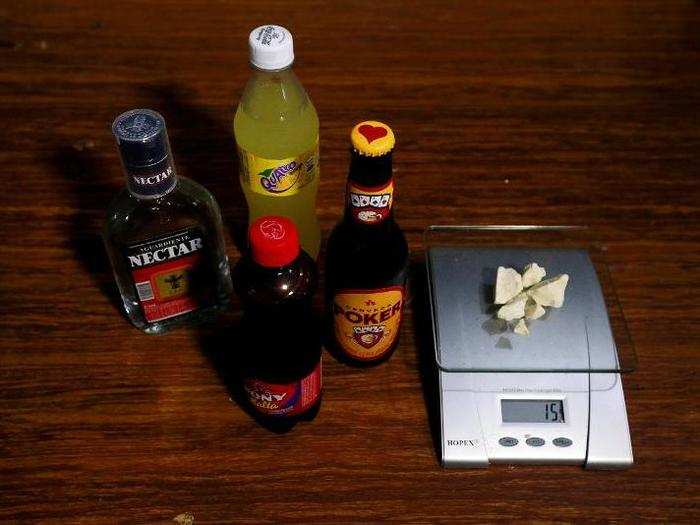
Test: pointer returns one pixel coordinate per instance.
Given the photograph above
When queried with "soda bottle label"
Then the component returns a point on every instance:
(370, 205)
(367, 322)
(167, 273)
(278, 177)
(284, 399)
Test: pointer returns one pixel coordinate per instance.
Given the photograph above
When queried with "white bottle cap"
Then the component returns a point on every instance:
(271, 47)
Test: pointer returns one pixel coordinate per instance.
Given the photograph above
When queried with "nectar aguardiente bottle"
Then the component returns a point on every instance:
(163, 233)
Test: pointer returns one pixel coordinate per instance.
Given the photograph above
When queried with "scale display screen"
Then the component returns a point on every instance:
(532, 410)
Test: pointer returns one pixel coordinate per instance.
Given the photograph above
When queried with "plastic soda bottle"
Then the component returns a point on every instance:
(281, 362)
(276, 129)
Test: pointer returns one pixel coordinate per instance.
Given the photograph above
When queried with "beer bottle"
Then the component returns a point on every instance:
(281, 361)
(367, 255)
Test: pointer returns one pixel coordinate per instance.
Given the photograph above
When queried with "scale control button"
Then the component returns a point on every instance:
(508, 442)
(535, 442)
(562, 442)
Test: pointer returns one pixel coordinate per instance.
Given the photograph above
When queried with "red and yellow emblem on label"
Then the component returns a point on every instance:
(167, 274)
(367, 322)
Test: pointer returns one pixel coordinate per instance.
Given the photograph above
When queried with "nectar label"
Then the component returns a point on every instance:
(152, 181)
(169, 274)
(367, 322)
(370, 205)
(284, 399)
(278, 177)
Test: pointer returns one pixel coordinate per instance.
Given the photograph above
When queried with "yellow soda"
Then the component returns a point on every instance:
(276, 129)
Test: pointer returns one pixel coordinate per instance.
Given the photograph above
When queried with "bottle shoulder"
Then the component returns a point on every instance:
(276, 288)
(273, 88)
(275, 117)
(189, 203)
(197, 194)
(347, 237)
(356, 254)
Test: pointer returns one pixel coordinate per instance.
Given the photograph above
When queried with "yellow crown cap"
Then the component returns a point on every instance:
(372, 138)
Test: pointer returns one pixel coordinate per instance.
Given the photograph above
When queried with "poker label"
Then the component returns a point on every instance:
(367, 322)
(370, 205)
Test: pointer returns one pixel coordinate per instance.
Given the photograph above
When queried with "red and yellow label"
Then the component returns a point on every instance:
(370, 205)
(169, 274)
(367, 322)
(284, 399)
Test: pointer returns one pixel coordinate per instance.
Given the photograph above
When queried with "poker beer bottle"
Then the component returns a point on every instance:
(367, 255)
(281, 365)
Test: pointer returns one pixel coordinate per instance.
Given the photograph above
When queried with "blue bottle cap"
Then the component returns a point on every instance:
(141, 137)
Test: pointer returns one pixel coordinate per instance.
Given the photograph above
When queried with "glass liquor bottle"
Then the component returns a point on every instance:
(163, 233)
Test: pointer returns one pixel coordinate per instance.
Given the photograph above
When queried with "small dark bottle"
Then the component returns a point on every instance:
(163, 233)
(367, 256)
(281, 367)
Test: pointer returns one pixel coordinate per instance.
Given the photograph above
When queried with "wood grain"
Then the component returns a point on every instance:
(505, 112)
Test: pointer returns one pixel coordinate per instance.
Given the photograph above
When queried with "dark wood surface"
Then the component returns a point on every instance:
(505, 112)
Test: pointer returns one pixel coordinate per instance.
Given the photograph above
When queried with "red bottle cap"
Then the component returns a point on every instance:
(274, 241)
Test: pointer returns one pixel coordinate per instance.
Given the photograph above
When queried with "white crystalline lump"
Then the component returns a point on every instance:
(521, 328)
(515, 309)
(532, 274)
(524, 297)
(533, 310)
(509, 283)
(550, 292)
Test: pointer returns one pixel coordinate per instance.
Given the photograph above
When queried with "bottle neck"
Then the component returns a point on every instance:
(276, 83)
(151, 182)
(370, 190)
(282, 72)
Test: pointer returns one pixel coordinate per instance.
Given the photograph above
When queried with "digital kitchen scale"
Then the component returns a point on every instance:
(552, 397)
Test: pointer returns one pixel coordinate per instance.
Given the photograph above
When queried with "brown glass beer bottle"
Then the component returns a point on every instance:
(367, 255)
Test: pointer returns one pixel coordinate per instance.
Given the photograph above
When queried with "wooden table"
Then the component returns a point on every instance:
(505, 112)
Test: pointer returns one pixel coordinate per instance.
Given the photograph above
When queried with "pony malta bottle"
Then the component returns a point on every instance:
(276, 129)
(281, 350)
(367, 256)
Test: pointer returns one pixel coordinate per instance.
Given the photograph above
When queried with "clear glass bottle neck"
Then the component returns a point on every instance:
(151, 182)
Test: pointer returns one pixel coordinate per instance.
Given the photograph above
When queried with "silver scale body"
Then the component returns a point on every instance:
(569, 356)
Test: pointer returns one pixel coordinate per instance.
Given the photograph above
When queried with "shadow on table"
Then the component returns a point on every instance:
(423, 328)
(204, 150)
(92, 194)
